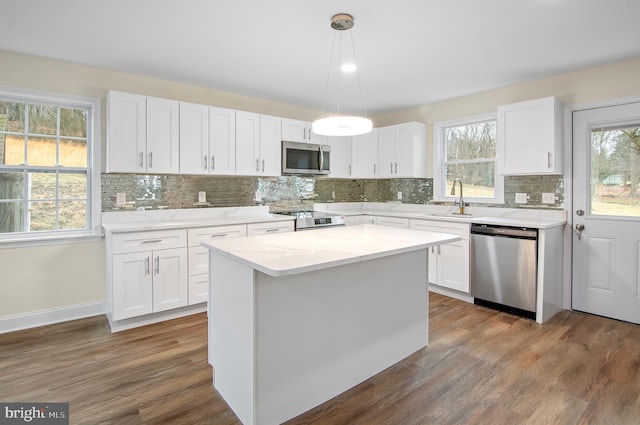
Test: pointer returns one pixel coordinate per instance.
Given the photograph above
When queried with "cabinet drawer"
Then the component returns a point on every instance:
(461, 229)
(401, 223)
(265, 228)
(204, 234)
(144, 241)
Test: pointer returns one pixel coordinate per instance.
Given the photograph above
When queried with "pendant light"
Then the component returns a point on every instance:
(342, 125)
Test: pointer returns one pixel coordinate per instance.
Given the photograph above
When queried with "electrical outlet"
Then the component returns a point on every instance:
(202, 197)
(399, 196)
(258, 196)
(521, 198)
(333, 194)
(548, 198)
(121, 199)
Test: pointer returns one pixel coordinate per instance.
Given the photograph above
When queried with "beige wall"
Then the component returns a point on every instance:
(40, 278)
(607, 82)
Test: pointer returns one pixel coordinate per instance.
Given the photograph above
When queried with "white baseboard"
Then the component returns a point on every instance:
(451, 293)
(35, 319)
(147, 319)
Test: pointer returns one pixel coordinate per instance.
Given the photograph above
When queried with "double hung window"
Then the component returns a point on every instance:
(46, 161)
(466, 150)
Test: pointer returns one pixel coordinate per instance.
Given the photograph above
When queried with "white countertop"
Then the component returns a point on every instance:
(284, 254)
(140, 221)
(534, 218)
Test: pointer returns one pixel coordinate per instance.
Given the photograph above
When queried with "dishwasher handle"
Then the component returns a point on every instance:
(505, 231)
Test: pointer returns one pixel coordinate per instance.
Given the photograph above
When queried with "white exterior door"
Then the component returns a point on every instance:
(606, 212)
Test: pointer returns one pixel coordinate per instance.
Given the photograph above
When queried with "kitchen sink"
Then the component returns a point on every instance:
(450, 215)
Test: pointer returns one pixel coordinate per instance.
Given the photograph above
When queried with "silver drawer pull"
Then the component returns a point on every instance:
(219, 235)
(272, 230)
(152, 241)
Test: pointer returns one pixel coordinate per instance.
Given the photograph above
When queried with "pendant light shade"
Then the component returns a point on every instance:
(338, 124)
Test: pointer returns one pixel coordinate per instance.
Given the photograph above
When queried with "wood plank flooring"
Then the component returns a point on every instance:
(481, 367)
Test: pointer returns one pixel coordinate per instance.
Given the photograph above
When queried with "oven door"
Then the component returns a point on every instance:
(305, 158)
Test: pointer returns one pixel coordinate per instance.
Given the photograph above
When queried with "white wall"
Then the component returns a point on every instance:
(59, 276)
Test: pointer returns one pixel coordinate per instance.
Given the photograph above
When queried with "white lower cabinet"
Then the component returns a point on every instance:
(199, 257)
(149, 272)
(448, 263)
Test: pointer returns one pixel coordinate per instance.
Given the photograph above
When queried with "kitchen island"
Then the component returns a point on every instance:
(296, 319)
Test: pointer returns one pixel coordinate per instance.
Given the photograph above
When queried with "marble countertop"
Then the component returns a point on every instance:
(284, 254)
(140, 221)
(538, 219)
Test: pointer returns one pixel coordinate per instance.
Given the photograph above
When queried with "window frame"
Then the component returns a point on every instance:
(93, 231)
(439, 181)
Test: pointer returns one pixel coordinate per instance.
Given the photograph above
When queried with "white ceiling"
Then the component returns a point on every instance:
(409, 52)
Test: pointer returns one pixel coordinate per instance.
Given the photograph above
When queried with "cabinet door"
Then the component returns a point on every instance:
(132, 285)
(126, 132)
(387, 151)
(169, 279)
(364, 155)
(294, 130)
(194, 138)
(453, 266)
(270, 145)
(222, 141)
(400, 223)
(340, 157)
(247, 143)
(411, 150)
(529, 136)
(163, 149)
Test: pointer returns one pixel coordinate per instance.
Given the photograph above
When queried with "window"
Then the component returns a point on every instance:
(466, 150)
(46, 173)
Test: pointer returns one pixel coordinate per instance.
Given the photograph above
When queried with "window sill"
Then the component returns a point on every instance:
(26, 241)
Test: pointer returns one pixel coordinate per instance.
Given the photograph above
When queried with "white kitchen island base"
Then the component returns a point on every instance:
(281, 345)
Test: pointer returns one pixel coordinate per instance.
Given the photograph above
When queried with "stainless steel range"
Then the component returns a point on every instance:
(308, 220)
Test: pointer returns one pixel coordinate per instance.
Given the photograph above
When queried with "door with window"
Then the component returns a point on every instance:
(606, 212)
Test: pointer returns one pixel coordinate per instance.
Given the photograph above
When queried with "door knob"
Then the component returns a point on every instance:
(579, 228)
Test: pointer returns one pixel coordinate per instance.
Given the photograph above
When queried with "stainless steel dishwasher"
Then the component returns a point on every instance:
(503, 270)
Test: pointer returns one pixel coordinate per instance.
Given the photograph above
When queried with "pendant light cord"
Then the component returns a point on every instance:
(355, 59)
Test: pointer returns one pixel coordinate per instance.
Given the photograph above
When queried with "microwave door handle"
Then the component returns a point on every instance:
(320, 159)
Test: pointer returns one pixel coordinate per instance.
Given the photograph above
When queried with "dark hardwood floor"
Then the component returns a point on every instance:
(481, 367)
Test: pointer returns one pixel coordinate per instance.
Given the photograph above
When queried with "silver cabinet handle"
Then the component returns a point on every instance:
(320, 159)
(549, 159)
(272, 230)
(219, 235)
(141, 159)
(304, 134)
(150, 163)
(263, 165)
(152, 241)
(146, 266)
(349, 169)
(213, 162)
(391, 168)
(257, 165)
(205, 162)
(374, 169)
(158, 264)
(396, 168)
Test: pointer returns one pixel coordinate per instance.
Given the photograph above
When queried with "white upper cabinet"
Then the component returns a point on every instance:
(126, 132)
(163, 149)
(194, 138)
(258, 141)
(270, 145)
(222, 141)
(247, 143)
(402, 150)
(207, 139)
(143, 134)
(529, 137)
(364, 155)
(340, 166)
(300, 131)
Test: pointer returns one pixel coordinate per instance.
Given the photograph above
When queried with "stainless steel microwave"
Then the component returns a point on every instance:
(305, 158)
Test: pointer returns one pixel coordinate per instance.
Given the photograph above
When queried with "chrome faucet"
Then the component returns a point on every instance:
(453, 192)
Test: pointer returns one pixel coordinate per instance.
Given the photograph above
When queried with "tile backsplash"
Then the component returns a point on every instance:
(293, 192)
